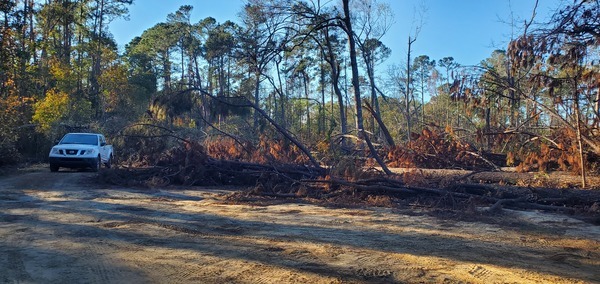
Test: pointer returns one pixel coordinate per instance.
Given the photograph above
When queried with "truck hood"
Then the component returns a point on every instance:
(74, 146)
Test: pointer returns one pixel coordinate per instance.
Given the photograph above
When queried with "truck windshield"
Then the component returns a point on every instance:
(86, 139)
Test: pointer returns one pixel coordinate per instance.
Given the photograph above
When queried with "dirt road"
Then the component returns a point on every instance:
(62, 228)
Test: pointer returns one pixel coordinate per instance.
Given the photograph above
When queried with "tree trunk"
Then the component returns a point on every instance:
(198, 82)
(322, 105)
(488, 128)
(579, 140)
(408, 96)
(167, 71)
(355, 83)
(374, 103)
(423, 98)
(335, 80)
(597, 110)
(282, 97)
(96, 59)
(308, 124)
(256, 99)
(385, 131)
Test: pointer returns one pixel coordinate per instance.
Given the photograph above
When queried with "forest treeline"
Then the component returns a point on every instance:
(300, 81)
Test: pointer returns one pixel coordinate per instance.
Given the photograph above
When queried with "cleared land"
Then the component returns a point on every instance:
(64, 228)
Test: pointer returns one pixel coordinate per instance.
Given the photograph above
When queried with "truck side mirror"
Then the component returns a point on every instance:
(102, 143)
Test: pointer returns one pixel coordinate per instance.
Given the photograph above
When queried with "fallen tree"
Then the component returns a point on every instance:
(189, 165)
(343, 182)
(489, 198)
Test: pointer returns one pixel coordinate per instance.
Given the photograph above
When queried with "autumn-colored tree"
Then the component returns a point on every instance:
(11, 117)
(50, 110)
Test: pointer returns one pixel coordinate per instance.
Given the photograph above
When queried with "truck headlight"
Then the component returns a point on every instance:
(54, 151)
(89, 152)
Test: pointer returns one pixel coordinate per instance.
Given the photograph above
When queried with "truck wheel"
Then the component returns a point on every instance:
(108, 163)
(53, 168)
(97, 165)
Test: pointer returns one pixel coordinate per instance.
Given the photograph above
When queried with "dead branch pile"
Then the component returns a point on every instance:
(349, 185)
(459, 196)
(559, 151)
(345, 183)
(189, 164)
(439, 149)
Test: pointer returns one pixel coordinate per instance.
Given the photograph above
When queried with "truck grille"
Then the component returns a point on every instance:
(69, 152)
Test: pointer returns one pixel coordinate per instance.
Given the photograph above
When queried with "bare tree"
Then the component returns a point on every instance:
(373, 19)
(356, 86)
(261, 42)
(409, 94)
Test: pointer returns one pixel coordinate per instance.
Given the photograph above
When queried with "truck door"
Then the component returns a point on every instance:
(103, 149)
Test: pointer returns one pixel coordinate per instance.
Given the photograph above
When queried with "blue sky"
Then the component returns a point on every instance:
(468, 30)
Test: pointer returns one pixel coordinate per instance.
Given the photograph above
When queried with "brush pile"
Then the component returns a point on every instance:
(273, 170)
(437, 149)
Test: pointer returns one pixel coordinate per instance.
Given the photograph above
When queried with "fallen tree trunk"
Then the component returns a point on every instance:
(303, 172)
(495, 198)
(402, 189)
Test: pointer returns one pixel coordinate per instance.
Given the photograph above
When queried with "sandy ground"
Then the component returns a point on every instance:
(62, 228)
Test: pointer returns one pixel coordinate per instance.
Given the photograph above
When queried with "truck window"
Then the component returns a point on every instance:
(86, 139)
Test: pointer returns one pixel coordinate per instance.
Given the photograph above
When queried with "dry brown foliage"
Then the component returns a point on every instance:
(436, 149)
(227, 149)
(267, 150)
(543, 156)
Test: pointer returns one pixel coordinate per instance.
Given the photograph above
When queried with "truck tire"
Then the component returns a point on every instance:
(53, 168)
(96, 166)
(108, 163)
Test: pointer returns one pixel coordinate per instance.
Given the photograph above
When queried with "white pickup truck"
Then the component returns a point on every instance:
(81, 150)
